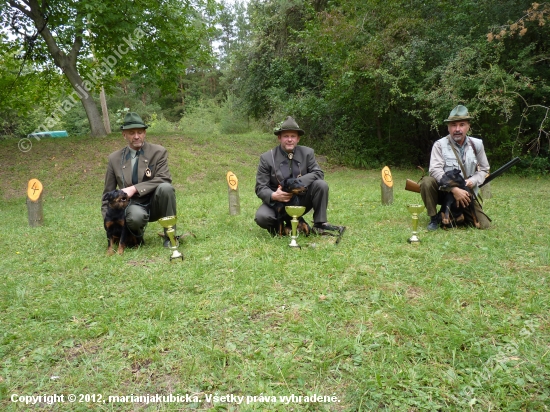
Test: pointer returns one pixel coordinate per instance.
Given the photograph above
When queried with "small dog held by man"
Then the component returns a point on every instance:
(115, 223)
(450, 212)
(297, 188)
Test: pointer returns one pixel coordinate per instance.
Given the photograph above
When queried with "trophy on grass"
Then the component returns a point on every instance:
(168, 223)
(295, 212)
(414, 209)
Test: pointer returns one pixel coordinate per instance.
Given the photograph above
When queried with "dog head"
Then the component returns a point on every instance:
(452, 178)
(294, 186)
(117, 199)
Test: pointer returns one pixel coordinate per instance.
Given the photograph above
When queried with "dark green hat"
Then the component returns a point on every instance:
(288, 124)
(458, 113)
(133, 121)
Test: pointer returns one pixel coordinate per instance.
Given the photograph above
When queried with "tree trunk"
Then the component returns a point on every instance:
(104, 110)
(67, 63)
(90, 106)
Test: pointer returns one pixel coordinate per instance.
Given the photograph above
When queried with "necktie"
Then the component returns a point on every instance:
(135, 169)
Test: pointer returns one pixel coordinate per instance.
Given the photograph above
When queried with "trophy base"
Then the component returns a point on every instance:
(176, 255)
(293, 243)
(413, 239)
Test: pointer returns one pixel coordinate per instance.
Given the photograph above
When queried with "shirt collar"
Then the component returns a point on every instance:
(288, 155)
(131, 153)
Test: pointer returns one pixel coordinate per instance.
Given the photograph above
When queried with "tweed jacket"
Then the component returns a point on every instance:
(274, 168)
(119, 172)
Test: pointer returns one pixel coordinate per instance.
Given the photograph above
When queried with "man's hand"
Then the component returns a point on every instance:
(469, 183)
(280, 196)
(130, 191)
(462, 197)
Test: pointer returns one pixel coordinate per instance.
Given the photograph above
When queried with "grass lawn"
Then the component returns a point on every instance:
(459, 322)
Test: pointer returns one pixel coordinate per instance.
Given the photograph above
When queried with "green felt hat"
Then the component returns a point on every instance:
(288, 124)
(458, 113)
(132, 120)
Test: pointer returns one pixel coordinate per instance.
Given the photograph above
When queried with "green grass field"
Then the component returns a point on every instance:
(459, 322)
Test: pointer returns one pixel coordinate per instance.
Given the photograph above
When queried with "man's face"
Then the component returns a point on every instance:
(288, 140)
(134, 137)
(458, 130)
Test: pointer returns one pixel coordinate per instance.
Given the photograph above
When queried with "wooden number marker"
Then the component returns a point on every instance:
(387, 186)
(34, 189)
(233, 193)
(232, 181)
(34, 202)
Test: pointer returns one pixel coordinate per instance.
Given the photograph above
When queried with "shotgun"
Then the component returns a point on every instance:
(412, 186)
(501, 170)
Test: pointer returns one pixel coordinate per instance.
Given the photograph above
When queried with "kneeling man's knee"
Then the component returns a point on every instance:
(321, 185)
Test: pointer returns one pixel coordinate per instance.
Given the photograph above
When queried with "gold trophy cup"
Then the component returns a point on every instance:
(414, 210)
(168, 223)
(295, 212)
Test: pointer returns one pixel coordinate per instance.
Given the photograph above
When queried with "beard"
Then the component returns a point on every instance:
(458, 137)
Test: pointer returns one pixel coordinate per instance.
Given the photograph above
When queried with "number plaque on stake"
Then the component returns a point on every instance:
(34, 202)
(233, 193)
(387, 186)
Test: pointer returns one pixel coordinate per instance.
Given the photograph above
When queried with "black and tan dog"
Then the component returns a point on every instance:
(297, 188)
(450, 211)
(115, 223)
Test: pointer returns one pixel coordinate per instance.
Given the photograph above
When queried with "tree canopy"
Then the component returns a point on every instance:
(371, 81)
(96, 42)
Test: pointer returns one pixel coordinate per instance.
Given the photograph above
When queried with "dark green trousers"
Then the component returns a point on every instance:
(161, 204)
(432, 196)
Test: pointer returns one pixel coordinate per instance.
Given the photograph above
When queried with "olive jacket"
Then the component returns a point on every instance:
(152, 171)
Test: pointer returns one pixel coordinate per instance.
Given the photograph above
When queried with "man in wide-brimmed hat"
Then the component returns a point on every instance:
(458, 151)
(141, 170)
(288, 160)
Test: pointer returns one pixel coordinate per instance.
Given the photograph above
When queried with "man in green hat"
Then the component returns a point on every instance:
(459, 151)
(141, 170)
(289, 160)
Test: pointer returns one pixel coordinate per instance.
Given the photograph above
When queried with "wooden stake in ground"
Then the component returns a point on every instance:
(233, 193)
(387, 186)
(35, 202)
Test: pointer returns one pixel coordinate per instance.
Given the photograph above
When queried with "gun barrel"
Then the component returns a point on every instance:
(501, 170)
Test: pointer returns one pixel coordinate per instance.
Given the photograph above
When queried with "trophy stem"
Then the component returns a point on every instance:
(171, 235)
(414, 210)
(414, 238)
(295, 212)
(168, 223)
(294, 234)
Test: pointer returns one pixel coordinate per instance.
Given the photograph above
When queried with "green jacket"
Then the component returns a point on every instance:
(119, 172)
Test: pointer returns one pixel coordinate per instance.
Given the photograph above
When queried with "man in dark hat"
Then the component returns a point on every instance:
(458, 151)
(285, 161)
(141, 170)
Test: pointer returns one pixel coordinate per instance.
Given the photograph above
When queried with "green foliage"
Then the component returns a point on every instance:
(371, 77)
(202, 119)
(209, 117)
(160, 125)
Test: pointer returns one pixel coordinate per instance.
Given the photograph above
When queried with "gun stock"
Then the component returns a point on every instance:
(412, 186)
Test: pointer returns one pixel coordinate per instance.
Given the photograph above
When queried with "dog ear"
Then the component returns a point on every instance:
(105, 197)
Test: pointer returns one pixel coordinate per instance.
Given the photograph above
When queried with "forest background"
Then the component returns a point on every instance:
(370, 81)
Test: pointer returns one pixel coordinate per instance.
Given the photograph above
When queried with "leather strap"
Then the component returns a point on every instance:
(458, 159)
